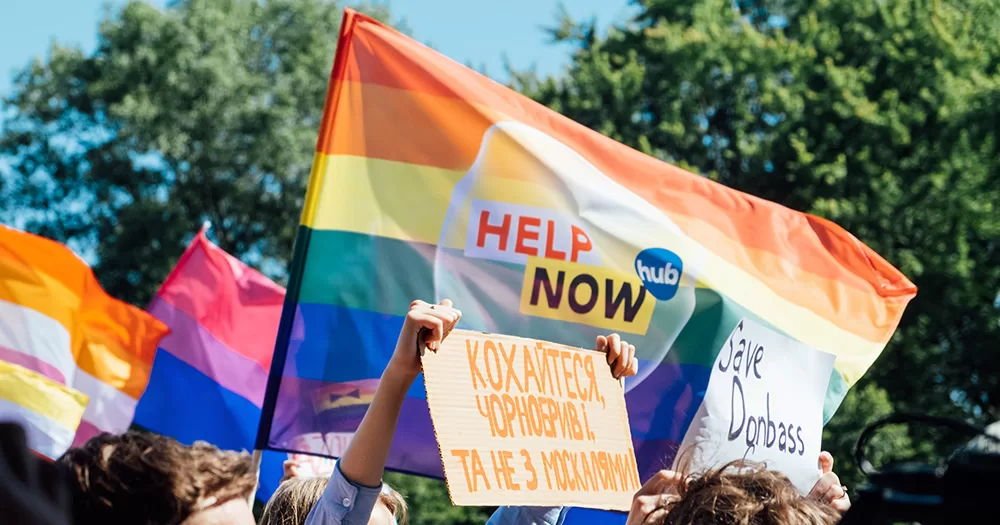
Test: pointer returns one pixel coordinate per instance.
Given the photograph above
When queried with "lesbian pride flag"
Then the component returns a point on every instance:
(57, 321)
(210, 373)
(432, 181)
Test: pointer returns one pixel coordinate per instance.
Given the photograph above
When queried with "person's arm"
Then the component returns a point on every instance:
(621, 358)
(357, 478)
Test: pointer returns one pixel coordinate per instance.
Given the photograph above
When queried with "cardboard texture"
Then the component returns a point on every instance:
(527, 422)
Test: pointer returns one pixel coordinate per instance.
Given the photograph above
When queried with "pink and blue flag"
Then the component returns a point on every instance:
(210, 373)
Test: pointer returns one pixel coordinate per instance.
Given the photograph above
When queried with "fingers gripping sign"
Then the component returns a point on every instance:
(426, 326)
(621, 355)
(828, 487)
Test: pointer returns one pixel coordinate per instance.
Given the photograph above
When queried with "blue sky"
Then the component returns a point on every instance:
(479, 32)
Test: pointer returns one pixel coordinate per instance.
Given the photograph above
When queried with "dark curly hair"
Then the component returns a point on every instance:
(148, 479)
(744, 493)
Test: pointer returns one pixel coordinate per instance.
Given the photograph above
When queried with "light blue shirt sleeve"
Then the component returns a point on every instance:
(344, 502)
(528, 516)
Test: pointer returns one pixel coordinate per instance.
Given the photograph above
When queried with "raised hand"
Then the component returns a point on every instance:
(828, 488)
(437, 319)
(621, 355)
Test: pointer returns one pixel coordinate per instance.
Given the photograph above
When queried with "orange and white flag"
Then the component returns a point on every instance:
(57, 321)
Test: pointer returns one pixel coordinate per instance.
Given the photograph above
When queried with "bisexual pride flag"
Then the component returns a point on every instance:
(210, 373)
(432, 181)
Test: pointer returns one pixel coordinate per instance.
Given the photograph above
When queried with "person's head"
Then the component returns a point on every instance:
(391, 508)
(148, 479)
(742, 493)
(291, 503)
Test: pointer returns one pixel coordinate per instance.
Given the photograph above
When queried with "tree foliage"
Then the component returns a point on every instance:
(882, 116)
(207, 110)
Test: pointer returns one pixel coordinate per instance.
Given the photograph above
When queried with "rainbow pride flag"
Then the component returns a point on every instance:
(433, 181)
(56, 320)
(210, 373)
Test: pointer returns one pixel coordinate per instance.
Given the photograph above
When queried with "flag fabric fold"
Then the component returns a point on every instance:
(210, 373)
(430, 181)
(49, 412)
(57, 321)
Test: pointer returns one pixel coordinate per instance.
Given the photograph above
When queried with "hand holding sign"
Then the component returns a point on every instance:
(526, 422)
(828, 488)
(430, 322)
(621, 355)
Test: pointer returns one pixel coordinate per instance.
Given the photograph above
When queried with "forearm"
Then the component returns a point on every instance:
(364, 460)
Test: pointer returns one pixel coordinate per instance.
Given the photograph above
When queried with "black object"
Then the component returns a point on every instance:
(964, 490)
(32, 491)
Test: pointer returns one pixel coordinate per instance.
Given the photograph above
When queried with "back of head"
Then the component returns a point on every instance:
(291, 503)
(744, 493)
(147, 479)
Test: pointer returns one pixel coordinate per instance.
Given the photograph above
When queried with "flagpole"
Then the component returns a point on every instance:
(255, 466)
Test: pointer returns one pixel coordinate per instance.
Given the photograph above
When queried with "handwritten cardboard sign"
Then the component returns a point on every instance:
(526, 422)
(764, 403)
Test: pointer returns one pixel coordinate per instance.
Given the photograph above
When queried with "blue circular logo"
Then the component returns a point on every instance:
(660, 271)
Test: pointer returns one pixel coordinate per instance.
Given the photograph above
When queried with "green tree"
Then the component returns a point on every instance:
(206, 110)
(879, 115)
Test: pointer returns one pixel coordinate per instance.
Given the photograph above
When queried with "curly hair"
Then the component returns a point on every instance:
(148, 479)
(295, 498)
(744, 493)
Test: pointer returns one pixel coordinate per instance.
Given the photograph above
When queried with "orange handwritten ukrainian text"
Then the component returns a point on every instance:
(533, 391)
(593, 471)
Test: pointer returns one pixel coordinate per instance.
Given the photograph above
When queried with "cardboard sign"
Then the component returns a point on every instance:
(764, 403)
(526, 422)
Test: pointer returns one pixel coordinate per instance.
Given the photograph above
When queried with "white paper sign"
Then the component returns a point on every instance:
(764, 403)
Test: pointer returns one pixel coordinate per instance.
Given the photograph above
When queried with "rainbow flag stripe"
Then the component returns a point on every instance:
(433, 181)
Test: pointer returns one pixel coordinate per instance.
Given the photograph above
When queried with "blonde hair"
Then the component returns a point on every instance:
(295, 498)
(394, 502)
(291, 503)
